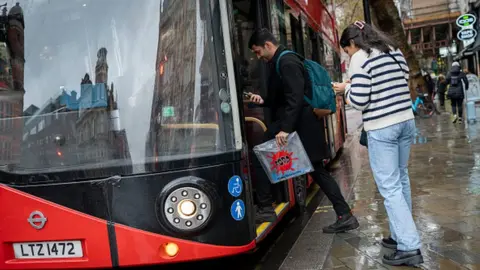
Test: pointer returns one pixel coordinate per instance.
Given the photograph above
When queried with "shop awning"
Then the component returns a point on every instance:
(469, 50)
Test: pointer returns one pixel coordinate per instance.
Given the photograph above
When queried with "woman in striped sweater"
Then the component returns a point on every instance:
(378, 86)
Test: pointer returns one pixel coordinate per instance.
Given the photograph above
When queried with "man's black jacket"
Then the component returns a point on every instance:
(289, 111)
(456, 78)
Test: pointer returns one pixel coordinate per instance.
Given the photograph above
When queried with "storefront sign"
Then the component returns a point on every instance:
(466, 20)
(443, 51)
(466, 34)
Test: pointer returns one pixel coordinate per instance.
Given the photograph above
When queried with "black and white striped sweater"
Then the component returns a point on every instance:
(379, 88)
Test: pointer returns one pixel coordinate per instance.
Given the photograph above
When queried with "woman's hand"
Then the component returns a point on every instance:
(340, 87)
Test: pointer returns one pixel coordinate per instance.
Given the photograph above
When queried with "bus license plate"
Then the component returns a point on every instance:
(47, 250)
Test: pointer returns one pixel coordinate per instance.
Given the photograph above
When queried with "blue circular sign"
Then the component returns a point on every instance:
(235, 186)
(237, 210)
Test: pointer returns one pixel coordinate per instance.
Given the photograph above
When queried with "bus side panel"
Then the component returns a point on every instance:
(340, 132)
(62, 224)
(137, 247)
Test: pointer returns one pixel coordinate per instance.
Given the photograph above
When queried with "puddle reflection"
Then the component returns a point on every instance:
(419, 137)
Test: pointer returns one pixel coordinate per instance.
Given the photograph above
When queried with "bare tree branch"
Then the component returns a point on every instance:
(354, 10)
(341, 4)
(386, 17)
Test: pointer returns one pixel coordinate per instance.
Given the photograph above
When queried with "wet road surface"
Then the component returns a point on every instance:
(445, 178)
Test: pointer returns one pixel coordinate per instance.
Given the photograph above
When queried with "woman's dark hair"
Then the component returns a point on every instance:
(367, 37)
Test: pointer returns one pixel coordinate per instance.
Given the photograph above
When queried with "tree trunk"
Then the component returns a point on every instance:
(385, 17)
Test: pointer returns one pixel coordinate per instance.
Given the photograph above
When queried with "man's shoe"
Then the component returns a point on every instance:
(389, 243)
(455, 118)
(265, 214)
(409, 258)
(344, 223)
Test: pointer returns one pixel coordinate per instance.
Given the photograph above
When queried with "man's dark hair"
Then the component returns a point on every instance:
(367, 38)
(260, 37)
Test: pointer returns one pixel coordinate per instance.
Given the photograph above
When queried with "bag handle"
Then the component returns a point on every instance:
(398, 63)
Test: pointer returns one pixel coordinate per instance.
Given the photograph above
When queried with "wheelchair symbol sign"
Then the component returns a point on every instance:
(235, 186)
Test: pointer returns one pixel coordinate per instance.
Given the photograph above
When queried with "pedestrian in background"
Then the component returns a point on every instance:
(457, 79)
(441, 89)
(379, 88)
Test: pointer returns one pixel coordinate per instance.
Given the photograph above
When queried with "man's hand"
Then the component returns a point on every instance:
(257, 99)
(282, 138)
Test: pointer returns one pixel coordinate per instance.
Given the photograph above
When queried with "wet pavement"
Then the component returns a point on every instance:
(354, 119)
(445, 178)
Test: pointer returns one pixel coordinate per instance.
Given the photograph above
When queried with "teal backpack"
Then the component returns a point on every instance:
(323, 96)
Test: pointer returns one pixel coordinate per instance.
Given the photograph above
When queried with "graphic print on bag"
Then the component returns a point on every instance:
(281, 162)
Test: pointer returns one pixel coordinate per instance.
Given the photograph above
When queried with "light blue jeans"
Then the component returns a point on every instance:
(389, 151)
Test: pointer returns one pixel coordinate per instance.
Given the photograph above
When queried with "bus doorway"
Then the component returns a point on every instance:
(292, 30)
(252, 77)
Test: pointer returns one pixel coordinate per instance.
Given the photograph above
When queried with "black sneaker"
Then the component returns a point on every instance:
(344, 223)
(265, 214)
(460, 120)
(389, 243)
(409, 258)
(455, 118)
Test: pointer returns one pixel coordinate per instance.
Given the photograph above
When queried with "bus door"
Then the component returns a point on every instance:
(333, 65)
(326, 57)
(318, 52)
(252, 75)
(294, 32)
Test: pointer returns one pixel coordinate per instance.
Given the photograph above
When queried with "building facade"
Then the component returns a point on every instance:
(431, 30)
(12, 92)
(181, 60)
(73, 129)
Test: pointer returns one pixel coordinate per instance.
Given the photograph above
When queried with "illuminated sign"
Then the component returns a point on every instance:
(443, 51)
(168, 111)
(466, 34)
(466, 20)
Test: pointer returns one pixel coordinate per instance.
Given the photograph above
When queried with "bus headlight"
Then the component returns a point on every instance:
(187, 208)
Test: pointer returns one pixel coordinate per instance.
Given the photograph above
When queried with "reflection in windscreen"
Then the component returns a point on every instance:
(110, 82)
